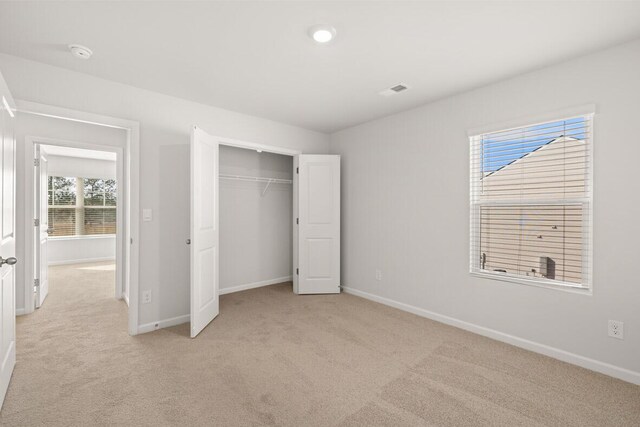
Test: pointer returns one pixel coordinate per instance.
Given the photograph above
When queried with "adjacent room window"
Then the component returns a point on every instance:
(531, 203)
(81, 206)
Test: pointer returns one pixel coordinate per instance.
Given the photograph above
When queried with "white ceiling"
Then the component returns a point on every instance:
(55, 150)
(256, 57)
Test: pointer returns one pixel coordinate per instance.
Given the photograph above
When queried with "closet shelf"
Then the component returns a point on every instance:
(269, 181)
(256, 179)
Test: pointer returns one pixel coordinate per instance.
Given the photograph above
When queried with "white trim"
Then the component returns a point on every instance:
(224, 291)
(128, 172)
(256, 146)
(165, 323)
(535, 119)
(539, 282)
(556, 353)
(73, 115)
(81, 261)
(82, 237)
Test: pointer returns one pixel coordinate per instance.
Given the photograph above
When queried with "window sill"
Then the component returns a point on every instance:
(87, 237)
(538, 283)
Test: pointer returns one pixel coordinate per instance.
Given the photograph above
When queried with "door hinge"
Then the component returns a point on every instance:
(36, 162)
(297, 220)
(36, 222)
(297, 272)
(297, 170)
(36, 283)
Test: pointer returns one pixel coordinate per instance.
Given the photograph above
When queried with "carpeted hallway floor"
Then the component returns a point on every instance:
(273, 358)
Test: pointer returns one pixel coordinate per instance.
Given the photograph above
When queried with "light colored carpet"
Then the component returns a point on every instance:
(273, 358)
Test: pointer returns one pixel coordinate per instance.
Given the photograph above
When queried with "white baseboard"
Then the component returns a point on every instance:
(81, 261)
(254, 285)
(178, 320)
(20, 311)
(165, 323)
(556, 353)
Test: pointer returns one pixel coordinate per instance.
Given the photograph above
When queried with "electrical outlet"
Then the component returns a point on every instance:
(146, 296)
(616, 329)
(378, 275)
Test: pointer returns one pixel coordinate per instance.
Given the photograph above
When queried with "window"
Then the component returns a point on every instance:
(531, 203)
(81, 206)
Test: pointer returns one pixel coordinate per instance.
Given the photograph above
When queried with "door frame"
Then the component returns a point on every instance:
(256, 146)
(39, 155)
(128, 176)
(32, 143)
(285, 152)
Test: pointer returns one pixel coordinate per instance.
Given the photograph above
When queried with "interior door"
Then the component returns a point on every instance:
(42, 215)
(318, 218)
(204, 230)
(7, 243)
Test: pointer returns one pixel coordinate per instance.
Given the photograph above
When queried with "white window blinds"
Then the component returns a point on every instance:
(531, 203)
(81, 206)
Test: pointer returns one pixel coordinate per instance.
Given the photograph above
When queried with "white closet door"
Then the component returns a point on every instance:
(318, 247)
(204, 230)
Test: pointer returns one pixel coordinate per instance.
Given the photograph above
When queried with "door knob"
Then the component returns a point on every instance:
(10, 261)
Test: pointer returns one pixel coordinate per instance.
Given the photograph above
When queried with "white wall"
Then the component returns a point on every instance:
(76, 249)
(405, 198)
(255, 230)
(164, 170)
(77, 166)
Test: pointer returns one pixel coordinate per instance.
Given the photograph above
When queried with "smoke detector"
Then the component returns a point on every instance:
(393, 90)
(80, 51)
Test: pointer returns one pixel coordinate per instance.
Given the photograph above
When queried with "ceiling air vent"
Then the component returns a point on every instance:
(394, 90)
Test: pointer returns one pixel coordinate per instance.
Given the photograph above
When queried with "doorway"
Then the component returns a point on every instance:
(256, 208)
(63, 124)
(76, 214)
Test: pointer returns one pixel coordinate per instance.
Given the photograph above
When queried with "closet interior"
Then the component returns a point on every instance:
(256, 205)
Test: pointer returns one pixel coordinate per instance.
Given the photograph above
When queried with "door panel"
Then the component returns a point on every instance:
(319, 251)
(319, 224)
(204, 230)
(7, 243)
(42, 209)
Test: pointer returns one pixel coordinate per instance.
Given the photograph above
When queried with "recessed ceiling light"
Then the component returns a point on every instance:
(322, 33)
(80, 51)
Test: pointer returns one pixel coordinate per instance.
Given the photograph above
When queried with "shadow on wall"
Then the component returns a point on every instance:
(172, 226)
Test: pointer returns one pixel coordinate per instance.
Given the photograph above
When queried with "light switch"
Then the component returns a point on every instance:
(147, 215)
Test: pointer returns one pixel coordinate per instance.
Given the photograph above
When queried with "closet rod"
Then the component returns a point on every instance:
(256, 179)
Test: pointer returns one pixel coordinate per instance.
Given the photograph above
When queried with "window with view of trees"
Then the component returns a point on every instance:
(531, 202)
(81, 206)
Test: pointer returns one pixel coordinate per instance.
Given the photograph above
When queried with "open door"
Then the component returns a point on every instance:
(7, 241)
(42, 228)
(204, 230)
(317, 200)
